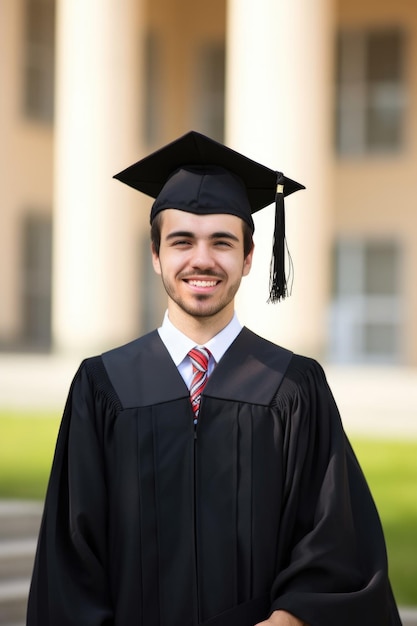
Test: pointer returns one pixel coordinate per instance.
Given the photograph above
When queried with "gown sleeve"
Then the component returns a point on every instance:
(69, 583)
(331, 555)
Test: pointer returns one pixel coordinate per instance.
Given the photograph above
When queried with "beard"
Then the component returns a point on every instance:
(201, 305)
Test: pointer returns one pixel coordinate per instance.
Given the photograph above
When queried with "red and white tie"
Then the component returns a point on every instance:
(199, 359)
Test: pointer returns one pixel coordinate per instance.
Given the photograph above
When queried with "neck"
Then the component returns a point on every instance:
(200, 329)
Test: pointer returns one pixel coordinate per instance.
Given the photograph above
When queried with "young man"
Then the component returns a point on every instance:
(202, 475)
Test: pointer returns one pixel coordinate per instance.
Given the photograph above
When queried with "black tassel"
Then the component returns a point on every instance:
(278, 288)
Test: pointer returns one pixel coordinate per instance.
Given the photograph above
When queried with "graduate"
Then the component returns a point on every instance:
(202, 474)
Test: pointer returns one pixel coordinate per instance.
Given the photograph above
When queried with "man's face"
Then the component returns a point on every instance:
(201, 262)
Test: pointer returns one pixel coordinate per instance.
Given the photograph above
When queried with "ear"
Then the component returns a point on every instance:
(155, 260)
(247, 262)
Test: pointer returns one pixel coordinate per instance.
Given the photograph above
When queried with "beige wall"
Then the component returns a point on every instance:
(377, 196)
(26, 166)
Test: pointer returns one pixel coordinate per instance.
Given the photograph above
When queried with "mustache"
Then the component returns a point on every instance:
(205, 274)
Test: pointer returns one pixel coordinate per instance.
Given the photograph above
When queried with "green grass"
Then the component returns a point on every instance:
(391, 471)
(27, 443)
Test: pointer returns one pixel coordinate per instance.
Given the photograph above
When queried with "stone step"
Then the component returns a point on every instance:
(19, 519)
(408, 616)
(13, 601)
(16, 558)
(19, 527)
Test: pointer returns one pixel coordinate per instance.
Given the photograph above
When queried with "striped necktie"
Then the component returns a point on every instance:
(199, 359)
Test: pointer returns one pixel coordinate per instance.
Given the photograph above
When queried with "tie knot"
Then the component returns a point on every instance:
(199, 358)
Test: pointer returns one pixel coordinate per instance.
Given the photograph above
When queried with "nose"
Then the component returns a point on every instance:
(202, 257)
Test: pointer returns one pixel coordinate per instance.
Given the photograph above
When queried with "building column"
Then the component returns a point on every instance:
(98, 114)
(10, 20)
(279, 111)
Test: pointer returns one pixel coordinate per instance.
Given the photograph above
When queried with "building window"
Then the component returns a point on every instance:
(39, 59)
(366, 309)
(370, 91)
(210, 89)
(37, 272)
(152, 297)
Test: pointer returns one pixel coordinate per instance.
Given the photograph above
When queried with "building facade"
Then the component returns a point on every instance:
(325, 93)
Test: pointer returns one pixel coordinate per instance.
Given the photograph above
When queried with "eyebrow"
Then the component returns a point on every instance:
(217, 235)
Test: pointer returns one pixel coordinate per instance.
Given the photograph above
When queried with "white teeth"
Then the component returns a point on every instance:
(203, 283)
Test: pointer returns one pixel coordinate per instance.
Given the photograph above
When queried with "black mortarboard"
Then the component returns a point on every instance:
(199, 175)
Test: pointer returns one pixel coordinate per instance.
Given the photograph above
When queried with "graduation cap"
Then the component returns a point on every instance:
(199, 175)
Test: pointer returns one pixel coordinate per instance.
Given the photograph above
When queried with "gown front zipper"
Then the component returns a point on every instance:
(196, 603)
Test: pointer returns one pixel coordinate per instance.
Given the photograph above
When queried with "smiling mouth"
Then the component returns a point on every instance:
(202, 283)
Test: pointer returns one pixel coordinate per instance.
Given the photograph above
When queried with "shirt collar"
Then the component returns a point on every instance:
(178, 344)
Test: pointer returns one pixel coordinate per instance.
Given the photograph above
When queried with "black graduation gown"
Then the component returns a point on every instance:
(150, 522)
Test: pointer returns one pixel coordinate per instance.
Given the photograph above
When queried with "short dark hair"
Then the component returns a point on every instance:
(156, 226)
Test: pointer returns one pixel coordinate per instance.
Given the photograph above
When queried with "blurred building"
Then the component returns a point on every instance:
(324, 91)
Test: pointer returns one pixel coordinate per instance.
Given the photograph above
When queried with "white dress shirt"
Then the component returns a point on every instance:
(179, 345)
